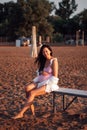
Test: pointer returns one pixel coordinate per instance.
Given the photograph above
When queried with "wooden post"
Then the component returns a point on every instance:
(82, 38)
(77, 37)
(34, 45)
(47, 39)
(40, 40)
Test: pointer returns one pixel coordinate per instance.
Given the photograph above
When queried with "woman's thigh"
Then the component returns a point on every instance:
(38, 91)
(30, 86)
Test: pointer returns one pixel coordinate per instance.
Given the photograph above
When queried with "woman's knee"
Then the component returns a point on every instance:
(29, 87)
(32, 93)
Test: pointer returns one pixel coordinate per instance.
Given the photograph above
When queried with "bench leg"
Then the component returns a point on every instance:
(54, 106)
(65, 107)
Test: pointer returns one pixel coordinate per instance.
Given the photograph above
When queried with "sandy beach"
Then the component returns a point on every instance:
(17, 68)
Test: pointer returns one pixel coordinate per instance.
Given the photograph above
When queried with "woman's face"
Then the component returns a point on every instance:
(46, 52)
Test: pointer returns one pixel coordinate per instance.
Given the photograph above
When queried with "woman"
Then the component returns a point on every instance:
(45, 82)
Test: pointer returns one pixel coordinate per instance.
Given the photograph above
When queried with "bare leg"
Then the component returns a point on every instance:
(28, 88)
(32, 109)
(33, 94)
(32, 105)
(20, 114)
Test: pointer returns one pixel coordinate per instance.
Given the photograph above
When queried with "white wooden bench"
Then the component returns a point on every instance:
(68, 91)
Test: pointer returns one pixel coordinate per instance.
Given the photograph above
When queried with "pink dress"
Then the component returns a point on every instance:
(49, 80)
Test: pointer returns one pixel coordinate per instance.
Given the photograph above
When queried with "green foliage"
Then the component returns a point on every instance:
(37, 13)
(66, 8)
(57, 37)
(81, 18)
(17, 19)
(23, 15)
(57, 23)
(12, 19)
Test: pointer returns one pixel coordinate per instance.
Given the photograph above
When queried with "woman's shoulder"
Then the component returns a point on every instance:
(53, 59)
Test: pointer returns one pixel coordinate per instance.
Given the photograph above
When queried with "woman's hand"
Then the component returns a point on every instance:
(44, 73)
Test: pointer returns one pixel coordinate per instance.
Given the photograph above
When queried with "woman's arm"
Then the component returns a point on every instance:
(55, 67)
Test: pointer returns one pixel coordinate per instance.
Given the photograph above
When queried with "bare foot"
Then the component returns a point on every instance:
(17, 116)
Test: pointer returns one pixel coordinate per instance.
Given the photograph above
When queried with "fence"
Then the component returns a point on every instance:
(4, 42)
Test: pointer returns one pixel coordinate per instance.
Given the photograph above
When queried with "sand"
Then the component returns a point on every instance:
(17, 68)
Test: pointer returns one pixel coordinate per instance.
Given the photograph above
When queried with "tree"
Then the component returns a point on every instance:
(1, 13)
(11, 19)
(81, 20)
(18, 18)
(66, 8)
(15, 19)
(36, 13)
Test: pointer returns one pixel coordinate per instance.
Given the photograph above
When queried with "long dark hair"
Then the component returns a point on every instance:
(40, 60)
